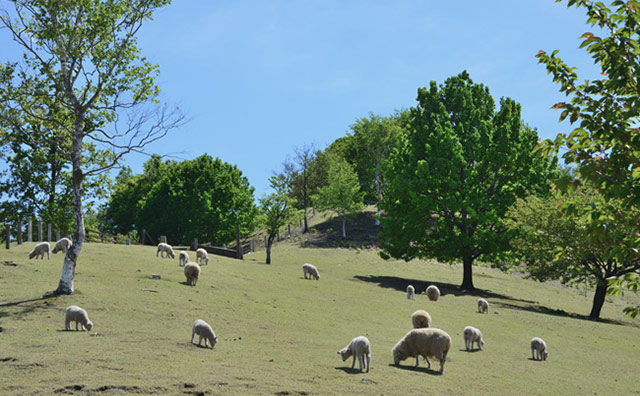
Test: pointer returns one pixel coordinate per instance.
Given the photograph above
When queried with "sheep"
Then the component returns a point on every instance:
(311, 270)
(62, 246)
(433, 293)
(483, 305)
(423, 342)
(40, 250)
(421, 319)
(358, 347)
(203, 256)
(411, 293)
(183, 258)
(202, 328)
(192, 272)
(78, 315)
(540, 348)
(471, 335)
(165, 248)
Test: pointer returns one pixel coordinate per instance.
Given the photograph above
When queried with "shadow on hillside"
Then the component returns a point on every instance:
(361, 233)
(417, 369)
(29, 308)
(541, 309)
(400, 284)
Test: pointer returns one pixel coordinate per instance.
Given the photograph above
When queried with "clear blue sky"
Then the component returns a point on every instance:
(259, 78)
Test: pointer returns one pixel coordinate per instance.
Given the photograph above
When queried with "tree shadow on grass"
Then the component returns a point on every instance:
(417, 369)
(29, 308)
(541, 309)
(400, 284)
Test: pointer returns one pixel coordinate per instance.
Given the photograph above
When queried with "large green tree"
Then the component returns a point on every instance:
(204, 198)
(81, 60)
(605, 145)
(277, 209)
(456, 171)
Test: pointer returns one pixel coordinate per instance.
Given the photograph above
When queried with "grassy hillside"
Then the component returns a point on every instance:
(279, 334)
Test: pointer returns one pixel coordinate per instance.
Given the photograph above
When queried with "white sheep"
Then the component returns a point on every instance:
(78, 315)
(183, 258)
(483, 305)
(40, 250)
(311, 270)
(165, 248)
(203, 256)
(202, 328)
(411, 293)
(540, 348)
(423, 342)
(471, 336)
(433, 293)
(421, 319)
(192, 273)
(62, 246)
(358, 347)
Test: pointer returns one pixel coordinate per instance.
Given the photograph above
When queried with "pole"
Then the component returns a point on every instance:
(30, 230)
(19, 232)
(40, 231)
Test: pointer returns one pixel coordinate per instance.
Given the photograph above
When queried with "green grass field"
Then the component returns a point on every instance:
(278, 333)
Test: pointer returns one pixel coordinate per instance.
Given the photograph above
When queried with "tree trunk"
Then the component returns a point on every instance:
(269, 243)
(379, 198)
(65, 286)
(598, 299)
(344, 228)
(467, 275)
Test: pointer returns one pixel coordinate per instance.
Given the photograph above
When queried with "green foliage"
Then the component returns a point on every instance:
(606, 144)
(455, 173)
(203, 198)
(277, 210)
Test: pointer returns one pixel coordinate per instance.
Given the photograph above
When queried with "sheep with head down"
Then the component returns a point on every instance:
(411, 293)
(165, 248)
(183, 258)
(359, 347)
(483, 305)
(62, 245)
(39, 250)
(421, 319)
(73, 313)
(539, 349)
(204, 330)
(471, 336)
(202, 257)
(192, 273)
(423, 342)
(433, 293)
(311, 270)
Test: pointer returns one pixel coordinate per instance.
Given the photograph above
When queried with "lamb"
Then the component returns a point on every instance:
(202, 328)
(40, 250)
(183, 258)
(358, 347)
(62, 246)
(421, 319)
(165, 248)
(471, 335)
(411, 293)
(423, 342)
(203, 256)
(433, 293)
(78, 315)
(540, 348)
(311, 270)
(192, 272)
(483, 305)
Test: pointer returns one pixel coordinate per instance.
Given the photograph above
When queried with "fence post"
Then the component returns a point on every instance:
(19, 232)
(57, 233)
(163, 238)
(48, 232)
(8, 234)
(143, 235)
(30, 230)
(195, 243)
(40, 231)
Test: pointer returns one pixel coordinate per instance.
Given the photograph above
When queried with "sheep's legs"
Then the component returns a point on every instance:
(417, 361)
(353, 363)
(368, 362)
(200, 341)
(76, 325)
(428, 362)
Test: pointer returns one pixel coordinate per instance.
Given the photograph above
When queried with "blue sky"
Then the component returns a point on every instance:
(259, 78)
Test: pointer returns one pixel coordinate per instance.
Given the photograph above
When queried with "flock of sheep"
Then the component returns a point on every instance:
(422, 340)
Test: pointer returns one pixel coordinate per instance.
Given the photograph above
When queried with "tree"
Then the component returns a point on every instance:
(456, 171)
(204, 198)
(82, 73)
(304, 158)
(277, 209)
(606, 144)
(342, 195)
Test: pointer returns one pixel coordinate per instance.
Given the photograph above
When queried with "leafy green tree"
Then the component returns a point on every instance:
(342, 195)
(82, 75)
(458, 168)
(605, 145)
(556, 244)
(203, 198)
(277, 210)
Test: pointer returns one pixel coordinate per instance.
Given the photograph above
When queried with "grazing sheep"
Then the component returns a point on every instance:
(203, 256)
(78, 315)
(183, 258)
(471, 335)
(411, 293)
(421, 319)
(40, 250)
(311, 270)
(358, 347)
(62, 246)
(423, 342)
(433, 293)
(202, 328)
(165, 248)
(192, 272)
(540, 348)
(483, 305)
